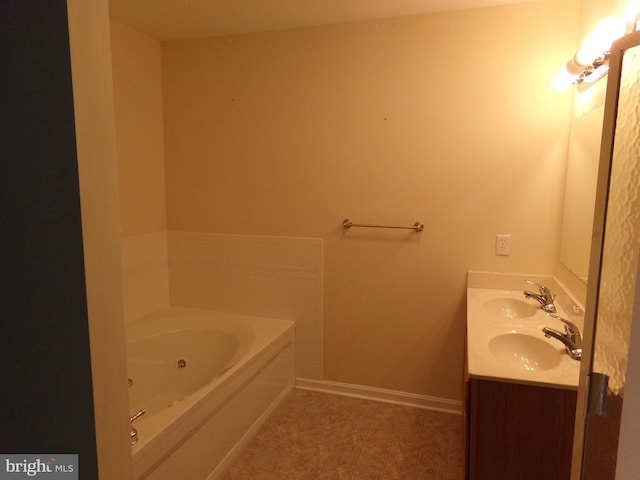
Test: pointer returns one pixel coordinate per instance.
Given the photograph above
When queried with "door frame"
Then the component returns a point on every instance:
(618, 48)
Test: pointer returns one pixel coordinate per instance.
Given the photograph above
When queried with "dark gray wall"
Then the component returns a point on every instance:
(46, 402)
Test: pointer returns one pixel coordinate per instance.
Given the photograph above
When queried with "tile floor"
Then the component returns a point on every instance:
(316, 435)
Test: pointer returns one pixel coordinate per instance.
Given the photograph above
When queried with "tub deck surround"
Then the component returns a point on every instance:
(500, 319)
(193, 370)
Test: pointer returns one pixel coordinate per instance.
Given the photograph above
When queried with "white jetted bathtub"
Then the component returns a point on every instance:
(207, 381)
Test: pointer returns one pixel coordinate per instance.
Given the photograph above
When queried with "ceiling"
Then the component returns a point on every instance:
(181, 19)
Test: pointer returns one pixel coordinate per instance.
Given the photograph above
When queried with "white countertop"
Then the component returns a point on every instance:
(501, 320)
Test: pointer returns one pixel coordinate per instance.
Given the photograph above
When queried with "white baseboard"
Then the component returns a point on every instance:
(381, 395)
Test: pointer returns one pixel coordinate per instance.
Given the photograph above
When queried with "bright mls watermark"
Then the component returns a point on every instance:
(49, 466)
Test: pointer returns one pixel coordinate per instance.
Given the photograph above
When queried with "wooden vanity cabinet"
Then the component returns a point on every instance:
(518, 431)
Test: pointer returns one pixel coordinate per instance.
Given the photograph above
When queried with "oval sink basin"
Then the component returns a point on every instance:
(524, 351)
(510, 308)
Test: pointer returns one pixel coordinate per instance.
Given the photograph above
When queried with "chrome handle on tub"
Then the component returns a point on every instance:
(139, 414)
(134, 432)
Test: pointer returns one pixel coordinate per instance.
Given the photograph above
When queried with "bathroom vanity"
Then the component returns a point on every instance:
(519, 431)
(520, 387)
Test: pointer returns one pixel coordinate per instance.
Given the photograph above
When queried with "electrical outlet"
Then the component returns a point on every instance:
(503, 244)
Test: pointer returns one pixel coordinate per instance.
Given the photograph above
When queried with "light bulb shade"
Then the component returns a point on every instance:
(564, 79)
(600, 40)
(574, 67)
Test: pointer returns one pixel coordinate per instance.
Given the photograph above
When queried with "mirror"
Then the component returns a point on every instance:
(580, 191)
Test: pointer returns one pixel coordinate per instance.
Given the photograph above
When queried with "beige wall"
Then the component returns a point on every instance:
(445, 118)
(93, 101)
(137, 84)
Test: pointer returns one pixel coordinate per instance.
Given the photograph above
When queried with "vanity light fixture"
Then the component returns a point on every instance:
(591, 62)
(581, 75)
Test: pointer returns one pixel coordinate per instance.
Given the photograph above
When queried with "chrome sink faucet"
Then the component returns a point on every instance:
(570, 338)
(545, 298)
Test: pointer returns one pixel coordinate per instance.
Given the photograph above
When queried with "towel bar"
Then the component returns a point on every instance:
(418, 226)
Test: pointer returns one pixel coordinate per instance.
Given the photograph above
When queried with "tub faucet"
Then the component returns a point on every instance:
(545, 298)
(570, 338)
(134, 432)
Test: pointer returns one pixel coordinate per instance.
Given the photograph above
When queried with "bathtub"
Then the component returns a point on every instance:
(207, 381)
